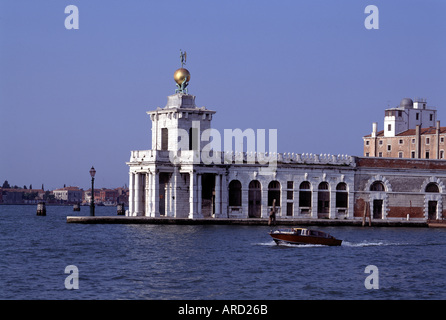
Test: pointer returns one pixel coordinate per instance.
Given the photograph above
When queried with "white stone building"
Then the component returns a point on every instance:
(407, 116)
(174, 179)
(69, 194)
(184, 175)
(167, 182)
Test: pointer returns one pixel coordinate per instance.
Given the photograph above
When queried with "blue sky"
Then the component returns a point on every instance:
(70, 99)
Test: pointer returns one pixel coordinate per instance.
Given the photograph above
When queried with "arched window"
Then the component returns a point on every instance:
(254, 199)
(323, 198)
(305, 185)
(235, 193)
(274, 193)
(305, 194)
(342, 186)
(323, 186)
(432, 187)
(377, 186)
(341, 195)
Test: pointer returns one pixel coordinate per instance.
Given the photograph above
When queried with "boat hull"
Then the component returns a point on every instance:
(299, 239)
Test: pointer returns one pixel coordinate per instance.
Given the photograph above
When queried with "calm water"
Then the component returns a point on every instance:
(209, 262)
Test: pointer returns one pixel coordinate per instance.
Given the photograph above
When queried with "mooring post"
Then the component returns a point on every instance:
(41, 210)
(121, 209)
(367, 213)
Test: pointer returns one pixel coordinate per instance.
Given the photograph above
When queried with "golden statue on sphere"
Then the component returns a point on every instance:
(182, 75)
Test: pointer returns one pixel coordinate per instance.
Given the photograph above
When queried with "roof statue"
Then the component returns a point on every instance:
(182, 75)
(183, 57)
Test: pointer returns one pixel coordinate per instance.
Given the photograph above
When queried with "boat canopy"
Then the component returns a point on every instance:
(314, 233)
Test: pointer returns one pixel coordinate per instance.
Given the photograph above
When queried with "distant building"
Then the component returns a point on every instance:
(68, 194)
(105, 196)
(123, 195)
(410, 131)
(11, 196)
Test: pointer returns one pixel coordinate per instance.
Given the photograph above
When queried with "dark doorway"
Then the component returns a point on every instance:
(377, 209)
(432, 210)
(164, 178)
(207, 194)
(235, 193)
(274, 193)
(323, 200)
(254, 199)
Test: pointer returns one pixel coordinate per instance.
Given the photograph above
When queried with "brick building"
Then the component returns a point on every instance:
(410, 131)
(106, 196)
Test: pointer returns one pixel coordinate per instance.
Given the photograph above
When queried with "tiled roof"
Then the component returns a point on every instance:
(378, 134)
(411, 132)
(430, 130)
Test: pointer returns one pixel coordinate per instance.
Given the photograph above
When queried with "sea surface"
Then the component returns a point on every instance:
(210, 262)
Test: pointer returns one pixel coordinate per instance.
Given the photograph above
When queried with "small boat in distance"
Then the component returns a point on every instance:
(304, 236)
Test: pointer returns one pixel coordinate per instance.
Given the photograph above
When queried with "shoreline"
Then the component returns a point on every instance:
(250, 221)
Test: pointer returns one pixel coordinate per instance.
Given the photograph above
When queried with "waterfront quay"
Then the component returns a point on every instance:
(247, 221)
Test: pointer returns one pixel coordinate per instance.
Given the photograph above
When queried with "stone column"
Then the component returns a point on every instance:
(131, 194)
(168, 192)
(351, 203)
(224, 197)
(174, 192)
(332, 211)
(192, 195)
(148, 205)
(143, 194)
(296, 209)
(217, 196)
(245, 199)
(314, 199)
(156, 194)
(137, 194)
(199, 194)
(264, 206)
(283, 199)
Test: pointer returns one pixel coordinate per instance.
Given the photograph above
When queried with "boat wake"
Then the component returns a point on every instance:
(365, 243)
(371, 244)
(291, 245)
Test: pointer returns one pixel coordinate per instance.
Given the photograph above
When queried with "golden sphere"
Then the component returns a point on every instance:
(180, 75)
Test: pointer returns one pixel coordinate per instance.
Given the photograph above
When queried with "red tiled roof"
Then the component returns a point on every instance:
(378, 134)
(430, 130)
(411, 132)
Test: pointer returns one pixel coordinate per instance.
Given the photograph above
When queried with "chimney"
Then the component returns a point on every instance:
(374, 126)
(437, 136)
(417, 141)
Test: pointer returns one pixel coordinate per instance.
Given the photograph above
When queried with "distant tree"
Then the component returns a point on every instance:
(42, 187)
(48, 196)
(24, 187)
(30, 186)
(6, 184)
(30, 196)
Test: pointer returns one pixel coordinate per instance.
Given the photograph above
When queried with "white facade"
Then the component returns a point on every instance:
(173, 180)
(69, 194)
(166, 182)
(407, 116)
